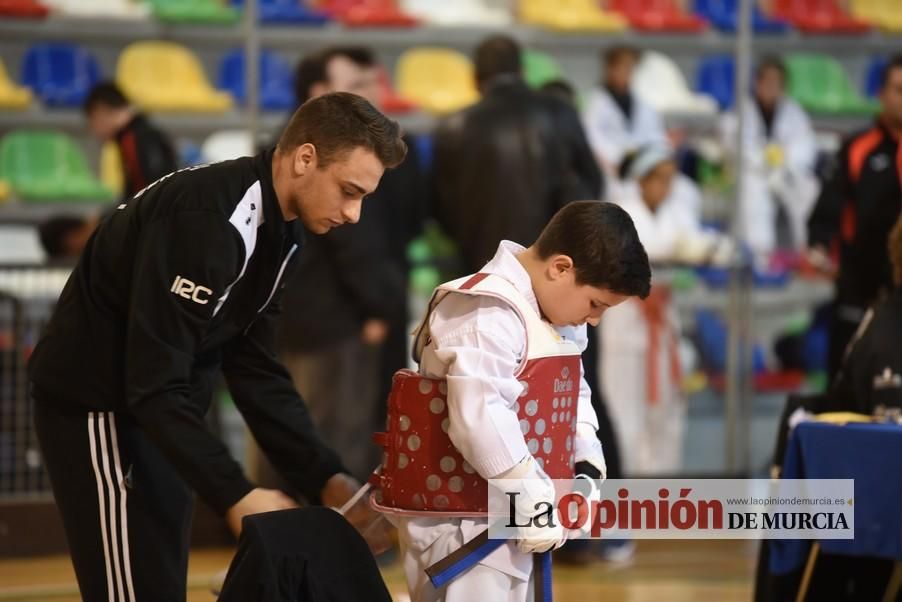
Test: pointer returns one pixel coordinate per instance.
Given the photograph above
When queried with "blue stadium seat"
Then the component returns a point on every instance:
(717, 77)
(60, 74)
(287, 11)
(723, 14)
(874, 77)
(276, 90)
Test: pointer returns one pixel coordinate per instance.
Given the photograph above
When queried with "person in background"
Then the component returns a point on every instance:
(506, 164)
(64, 237)
(346, 338)
(616, 121)
(640, 367)
(856, 209)
(147, 153)
(781, 152)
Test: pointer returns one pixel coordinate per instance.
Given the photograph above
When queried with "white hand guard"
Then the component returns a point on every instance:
(587, 448)
(534, 488)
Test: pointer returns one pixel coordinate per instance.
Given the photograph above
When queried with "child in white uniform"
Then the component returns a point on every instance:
(587, 259)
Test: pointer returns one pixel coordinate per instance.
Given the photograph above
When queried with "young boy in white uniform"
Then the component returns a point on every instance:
(486, 341)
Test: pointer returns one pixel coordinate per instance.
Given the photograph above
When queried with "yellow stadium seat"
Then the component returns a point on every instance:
(111, 173)
(885, 14)
(4, 190)
(163, 76)
(570, 15)
(438, 80)
(11, 95)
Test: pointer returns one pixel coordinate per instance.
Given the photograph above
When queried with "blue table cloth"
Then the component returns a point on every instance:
(871, 454)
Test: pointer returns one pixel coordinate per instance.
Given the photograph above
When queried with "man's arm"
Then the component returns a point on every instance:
(824, 223)
(177, 282)
(274, 411)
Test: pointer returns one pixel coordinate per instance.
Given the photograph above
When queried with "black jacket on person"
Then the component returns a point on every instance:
(360, 270)
(856, 210)
(147, 154)
(871, 373)
(505, 165)
(182, 280)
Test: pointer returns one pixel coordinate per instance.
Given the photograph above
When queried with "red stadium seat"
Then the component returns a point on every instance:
(658, 15)
(369, 13)
(818, 16)
(23, 8)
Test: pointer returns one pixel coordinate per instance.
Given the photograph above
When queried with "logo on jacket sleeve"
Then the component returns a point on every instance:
(187, 289)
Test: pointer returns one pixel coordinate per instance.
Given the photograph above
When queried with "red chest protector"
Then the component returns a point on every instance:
(422, 472)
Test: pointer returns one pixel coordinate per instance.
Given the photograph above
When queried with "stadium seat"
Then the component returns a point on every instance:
(120, 9)
(227, 144)
(4, 190)
(658, 15)
(818, 16)
(368, 13)
(459, 12)
(194, 11)
(717, 78)
(438, 80)
(276, 80)
(389, 99)
(164, 76)
(28, 9)
(722, 14)
(293, 12)
(12, 96)
(659, 82)
(112, 174)
(885, 14)
(874, 78)
(820, 84)
(570, 16)
(540, 68)
(47, 166)
(60, 74)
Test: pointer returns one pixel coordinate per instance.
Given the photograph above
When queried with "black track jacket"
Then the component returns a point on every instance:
(182, 280)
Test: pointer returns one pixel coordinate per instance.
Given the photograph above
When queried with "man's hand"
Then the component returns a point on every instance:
(375, 530)
(257, 501)
(374, 331)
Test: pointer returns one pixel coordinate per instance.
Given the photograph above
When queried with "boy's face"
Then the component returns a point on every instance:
(564, 302)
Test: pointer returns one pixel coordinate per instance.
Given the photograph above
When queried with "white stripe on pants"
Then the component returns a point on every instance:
(114, 534)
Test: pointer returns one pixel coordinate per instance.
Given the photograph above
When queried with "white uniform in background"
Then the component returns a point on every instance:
(649, 426)
(611, 135)
(477, 344)
(772, 176)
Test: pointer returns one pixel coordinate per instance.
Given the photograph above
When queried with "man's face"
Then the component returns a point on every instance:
(347, 76)
(891, 99)
(564, 302)
(656, 184)
(102, 122)
(769, 87)
(330, 196)
(620, 72)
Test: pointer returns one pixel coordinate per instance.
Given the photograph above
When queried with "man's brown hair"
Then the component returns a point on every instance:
(338, 123)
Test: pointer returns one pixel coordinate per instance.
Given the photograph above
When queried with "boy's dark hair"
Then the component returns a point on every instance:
(338, 123)
(54, 232)
(106, 94)
(613, 54)
(603, 243)
(895, 62)
(774, 62)
(559, 88)
(314, 68)
(497, 55)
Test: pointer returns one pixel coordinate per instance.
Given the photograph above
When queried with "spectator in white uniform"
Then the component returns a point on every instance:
(780, 155)
(615, 120)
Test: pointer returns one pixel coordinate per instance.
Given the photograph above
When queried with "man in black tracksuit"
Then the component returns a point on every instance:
(856, 210)
(183, 279)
